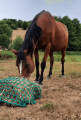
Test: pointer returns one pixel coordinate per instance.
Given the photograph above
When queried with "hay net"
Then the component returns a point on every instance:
(19, 91)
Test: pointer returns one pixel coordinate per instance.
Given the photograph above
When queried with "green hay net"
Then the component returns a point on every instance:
(19, 91)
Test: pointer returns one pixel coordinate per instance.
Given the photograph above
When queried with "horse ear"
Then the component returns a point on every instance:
(14, 51)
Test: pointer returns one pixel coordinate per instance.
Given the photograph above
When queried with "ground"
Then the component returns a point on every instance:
(60, 97)
(18, 32)
(62, 93)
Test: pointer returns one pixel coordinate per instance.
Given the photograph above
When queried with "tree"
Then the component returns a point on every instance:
(24, 25)
(28, 23)
(56, 18)
(72, 37)
(17, 43)
(19, 22)
(5, 34)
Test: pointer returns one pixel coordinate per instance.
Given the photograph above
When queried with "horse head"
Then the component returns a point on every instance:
(26, 65)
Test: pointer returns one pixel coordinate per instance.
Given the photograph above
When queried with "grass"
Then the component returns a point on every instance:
(70, 56)
(70, 86)
(48, 107)
(71, 62)
(5, 54)
(2, 69)
(60, 87)
(74, 74)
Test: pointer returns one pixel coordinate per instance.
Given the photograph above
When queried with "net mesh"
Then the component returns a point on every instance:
(19, 91)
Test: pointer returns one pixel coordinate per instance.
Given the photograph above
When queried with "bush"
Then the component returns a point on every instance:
(11, 21)
(17, 43)
(24, 25)
(5, 54)
(19, 22)
(5, 34)
(4, 41)
(13, 26)
(5, 29)
(28, 24)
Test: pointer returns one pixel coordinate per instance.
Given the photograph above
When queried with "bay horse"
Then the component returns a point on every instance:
(44, 33)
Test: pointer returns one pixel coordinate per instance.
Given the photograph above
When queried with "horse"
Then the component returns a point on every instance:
(44, 33)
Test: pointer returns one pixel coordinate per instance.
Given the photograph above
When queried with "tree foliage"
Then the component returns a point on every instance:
(13, 26)
(19, 22)
(5, 34)
(17, 43)
(24, 25)
(74, 28)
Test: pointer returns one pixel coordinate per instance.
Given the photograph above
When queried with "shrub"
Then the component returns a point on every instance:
(5, 54)
(5, 34)
(13, 26)
(4, 41)
(11, 21)
(48, 107)
(17, 43)
(24, 25)
(28, 24)
(5, 28)
(19, 22)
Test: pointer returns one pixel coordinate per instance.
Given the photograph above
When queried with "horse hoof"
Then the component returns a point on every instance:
(36, 80)
(41, 86)
(62, 75)
(48, 77)
(40, 83)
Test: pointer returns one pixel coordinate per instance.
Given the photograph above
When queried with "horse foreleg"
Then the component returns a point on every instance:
(37, 64)
(43, 64)
(51, 65)
(63, 52)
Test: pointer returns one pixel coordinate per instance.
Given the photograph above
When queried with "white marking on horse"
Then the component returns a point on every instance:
(20, 67)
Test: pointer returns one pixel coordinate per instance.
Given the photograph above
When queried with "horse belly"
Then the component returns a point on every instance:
(60, 44)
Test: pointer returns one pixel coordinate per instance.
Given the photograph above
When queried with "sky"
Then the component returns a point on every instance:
(25, 10)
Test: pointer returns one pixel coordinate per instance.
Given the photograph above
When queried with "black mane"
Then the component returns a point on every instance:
(34, 31)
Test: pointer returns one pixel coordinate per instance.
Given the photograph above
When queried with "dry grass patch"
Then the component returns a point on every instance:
(18, 32)
(60, 99)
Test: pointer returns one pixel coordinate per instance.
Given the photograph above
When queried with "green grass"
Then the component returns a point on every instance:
(2, 69)
(71, 56)
(57, 57)
(7, 55)
(48, 107)
(74, 74)
(70, 86)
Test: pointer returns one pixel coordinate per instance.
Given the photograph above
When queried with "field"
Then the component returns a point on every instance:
(18, 32)
(60, 98)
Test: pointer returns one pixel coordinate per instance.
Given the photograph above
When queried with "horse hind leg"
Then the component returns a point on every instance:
(63, 52)
(51, 65)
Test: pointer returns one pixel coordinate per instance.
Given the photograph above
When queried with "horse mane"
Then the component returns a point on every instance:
(34, 31)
